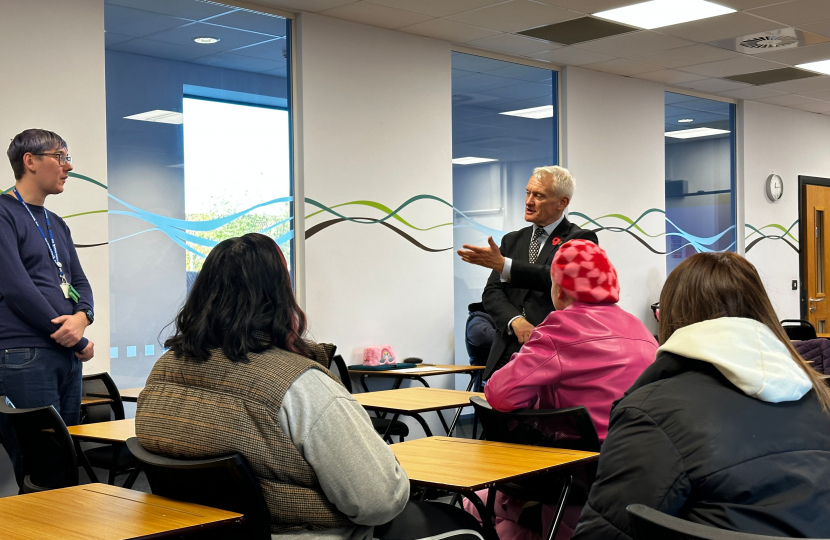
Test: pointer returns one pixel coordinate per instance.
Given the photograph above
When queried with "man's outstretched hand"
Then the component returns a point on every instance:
(488, 257)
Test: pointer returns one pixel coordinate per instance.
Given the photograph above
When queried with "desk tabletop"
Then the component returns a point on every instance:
(419, 371)
(415, 400)
(90, 401)
(102, 512)
(468, 465)
(116, 431)
(128, 394)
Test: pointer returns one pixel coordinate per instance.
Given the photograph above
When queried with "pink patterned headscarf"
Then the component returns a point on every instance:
(582, 269)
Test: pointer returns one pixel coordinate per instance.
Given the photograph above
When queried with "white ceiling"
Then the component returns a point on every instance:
(677, 55)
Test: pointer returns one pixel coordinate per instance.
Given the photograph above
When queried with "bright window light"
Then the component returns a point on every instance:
(696, 132)
(158, 115)
(658, 13)
(822, 66)
(471, 160)
(545, 111)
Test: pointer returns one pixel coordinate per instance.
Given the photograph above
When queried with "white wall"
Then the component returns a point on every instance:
(376, 120)
(789, 143)
(52, 60)
(614, 147)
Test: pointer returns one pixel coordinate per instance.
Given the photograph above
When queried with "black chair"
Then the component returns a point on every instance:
(570, 428)
(47, 453)
(799, 329)
(381, 425)
(650, 524)
(224, 482)
(114, 457)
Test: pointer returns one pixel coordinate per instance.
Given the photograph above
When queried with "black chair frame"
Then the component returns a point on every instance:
(799, 329)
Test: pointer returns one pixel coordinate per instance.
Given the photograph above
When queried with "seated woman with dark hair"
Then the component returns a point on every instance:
(240, 378)
(729, 427)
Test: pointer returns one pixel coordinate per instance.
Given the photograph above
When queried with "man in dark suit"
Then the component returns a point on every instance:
(517, 294)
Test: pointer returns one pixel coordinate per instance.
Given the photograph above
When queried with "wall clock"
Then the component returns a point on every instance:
(774, 187)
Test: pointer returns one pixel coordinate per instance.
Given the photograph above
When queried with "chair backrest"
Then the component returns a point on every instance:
(570, 428)
(101, 384)
(799, 329)
(47, 452)
(650, 524)
(224, 482)
(342, 371)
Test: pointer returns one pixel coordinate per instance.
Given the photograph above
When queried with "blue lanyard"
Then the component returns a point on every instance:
(53, 250)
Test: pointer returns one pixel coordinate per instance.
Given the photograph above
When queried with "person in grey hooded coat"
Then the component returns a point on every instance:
(729, 427)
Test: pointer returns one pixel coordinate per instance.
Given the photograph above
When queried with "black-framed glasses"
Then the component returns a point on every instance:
(62, 159)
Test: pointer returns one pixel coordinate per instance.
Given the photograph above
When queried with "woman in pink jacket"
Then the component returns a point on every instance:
(587, 352)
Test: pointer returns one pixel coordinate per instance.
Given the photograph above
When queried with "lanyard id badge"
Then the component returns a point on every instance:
(67, 289)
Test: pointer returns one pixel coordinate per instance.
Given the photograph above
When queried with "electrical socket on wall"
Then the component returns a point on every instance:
(795, 284)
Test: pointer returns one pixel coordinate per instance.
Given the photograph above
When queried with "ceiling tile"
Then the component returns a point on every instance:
(722, 27)
(634, 44)
(813, 53)
(821, 27)
(279, 72)
(622, 66)
(572, 56)
(797, 12)
(813, 84)
(752, 92)
(270, 50)
(514, 15)
(815, 106)
(823, 95)
(713, 85)
(159, 50)
(788, 100)
(436, 8)
(254, 22)
(741, 5)
(230, 38)
(578, 30)
(734, 66)
(137, 23)
(687, 56)
(448, 31)
(242, 63)
(176, 8)
(111, 39)
(511, 44)
(670, 76)
(304, 5)
(771, 76)
(376, 15)
(589, 6)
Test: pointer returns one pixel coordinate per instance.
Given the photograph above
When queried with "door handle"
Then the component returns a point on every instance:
(818, 299)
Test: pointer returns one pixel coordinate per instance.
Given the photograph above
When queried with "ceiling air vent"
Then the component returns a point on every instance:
(768, 42)
(773, 40)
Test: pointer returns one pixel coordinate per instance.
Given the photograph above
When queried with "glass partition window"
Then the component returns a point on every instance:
(198, 150)
(700, 177)
(504, 124)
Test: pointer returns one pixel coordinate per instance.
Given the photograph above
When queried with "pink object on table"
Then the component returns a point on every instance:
(379, 355)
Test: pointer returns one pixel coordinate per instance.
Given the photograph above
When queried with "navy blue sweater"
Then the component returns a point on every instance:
(30, 293)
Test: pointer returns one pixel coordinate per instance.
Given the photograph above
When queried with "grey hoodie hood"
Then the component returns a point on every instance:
(747, 353)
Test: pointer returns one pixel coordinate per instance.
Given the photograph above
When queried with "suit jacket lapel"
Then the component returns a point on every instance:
(524, 245)
(548, 248)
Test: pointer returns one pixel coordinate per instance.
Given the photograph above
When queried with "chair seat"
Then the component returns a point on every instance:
(399, 429)
(101, 457)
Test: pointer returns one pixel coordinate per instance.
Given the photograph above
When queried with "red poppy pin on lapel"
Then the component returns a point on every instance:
(555, 241)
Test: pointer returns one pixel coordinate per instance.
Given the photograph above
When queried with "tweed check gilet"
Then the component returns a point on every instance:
(192, 409)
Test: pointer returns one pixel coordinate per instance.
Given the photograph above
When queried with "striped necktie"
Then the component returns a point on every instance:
(533, 252)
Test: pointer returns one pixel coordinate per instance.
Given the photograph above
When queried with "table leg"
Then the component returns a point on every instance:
(116, 452)
(128, 483)
(363, 383)
(85, 462)
(455, 421)
(398, 383)
(423, 424)
(447, 429)
(421, 380)
(485, 514)
(560, 510)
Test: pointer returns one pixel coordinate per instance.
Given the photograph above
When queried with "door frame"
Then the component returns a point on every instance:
(803, 182)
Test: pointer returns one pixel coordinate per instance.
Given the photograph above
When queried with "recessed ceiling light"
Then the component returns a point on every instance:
(206, 40)
(545, 111)
(471, 160)
(657, 13)
(686, 120)
(695, 132)
(158, 115)
(822, 66)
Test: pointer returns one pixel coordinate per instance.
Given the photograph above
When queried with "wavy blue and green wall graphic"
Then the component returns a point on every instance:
(180, 231)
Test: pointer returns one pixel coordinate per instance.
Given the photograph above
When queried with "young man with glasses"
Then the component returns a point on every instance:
(45, 299)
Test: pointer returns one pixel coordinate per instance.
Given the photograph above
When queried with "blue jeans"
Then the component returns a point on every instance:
(38, 377)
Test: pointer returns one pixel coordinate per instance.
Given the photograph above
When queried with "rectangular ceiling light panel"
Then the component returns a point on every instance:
(545, 111)
(772, 76)
(471, 160)
(696, 132)
(158, 115)
(822, 66)
(659, 13)
(578, 30)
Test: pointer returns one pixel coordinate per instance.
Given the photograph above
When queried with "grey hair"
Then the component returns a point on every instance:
(561, 181)
(35, 141)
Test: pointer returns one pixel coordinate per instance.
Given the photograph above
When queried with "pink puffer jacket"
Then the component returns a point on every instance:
(586, 354)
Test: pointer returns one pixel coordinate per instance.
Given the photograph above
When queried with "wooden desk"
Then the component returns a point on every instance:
(117, 431)
(418, 373)
(90, 401)
(467, 465)
(102, 512)
(414, 401)
(129, 395)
